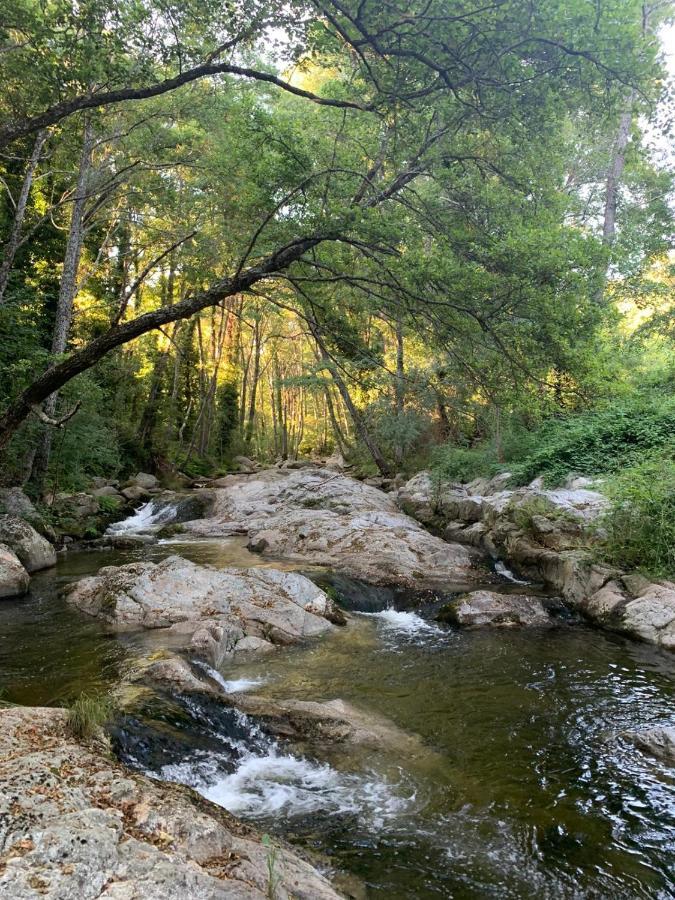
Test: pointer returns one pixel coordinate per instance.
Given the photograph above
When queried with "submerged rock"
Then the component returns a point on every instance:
(489, 608)
(330, 520)
(14, 579)
(34, 551)
(75, 824)
(206, 610)
(658, 742)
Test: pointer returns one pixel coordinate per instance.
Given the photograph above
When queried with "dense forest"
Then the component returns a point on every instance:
(337, 449)
(232, 228)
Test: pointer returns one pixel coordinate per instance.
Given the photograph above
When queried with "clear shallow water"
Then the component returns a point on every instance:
(523, 786)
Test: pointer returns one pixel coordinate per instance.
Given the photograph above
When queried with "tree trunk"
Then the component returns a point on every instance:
(14, 241)
(83, 359)
(255, 376)
(356, 417)
(67, 290)
(399, 389)
(615, 172)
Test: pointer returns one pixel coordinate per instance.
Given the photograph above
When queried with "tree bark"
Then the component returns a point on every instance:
(255, 377)
(14, 241)
(356, 417)
(399, 389)
(67, 291)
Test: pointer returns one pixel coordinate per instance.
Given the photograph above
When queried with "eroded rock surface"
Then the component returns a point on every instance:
(327, 519)
(547, 535)
(208, 611)
(75, 825)
(659, 742)
(500, 610)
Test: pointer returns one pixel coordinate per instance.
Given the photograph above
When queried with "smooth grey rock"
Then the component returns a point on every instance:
(14, 502)
(488, 608)
(328, 519)
(34, 551)
(14, 579)
(108, 490)
(651, 615)
(145, 480)
(135, 492)
(203, 609)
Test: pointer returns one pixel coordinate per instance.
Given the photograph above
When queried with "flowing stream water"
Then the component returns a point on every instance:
(521, 785)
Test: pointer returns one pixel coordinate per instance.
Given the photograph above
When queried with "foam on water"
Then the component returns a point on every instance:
(146, 518)
(505, 572)
(410, 623)
(253, 775)
(265, 785)
(233, 685)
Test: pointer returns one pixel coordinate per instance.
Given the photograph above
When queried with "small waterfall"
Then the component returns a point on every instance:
(225, 756)
(147, 518)
(501, 569)
(232, 686)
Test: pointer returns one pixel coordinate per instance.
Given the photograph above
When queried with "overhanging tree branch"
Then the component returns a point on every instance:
(65, 108)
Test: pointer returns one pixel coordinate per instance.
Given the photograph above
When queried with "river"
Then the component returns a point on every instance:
(522, 786)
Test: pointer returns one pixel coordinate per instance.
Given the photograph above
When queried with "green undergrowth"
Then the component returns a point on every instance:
(596, 442)
(640, 525)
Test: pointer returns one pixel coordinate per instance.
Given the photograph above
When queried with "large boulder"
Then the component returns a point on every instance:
(208, 611)
(502, 610)
(75, 824)
(144, 480)
(14, 579)
(34, 551)
(135, 492)
(324, 518)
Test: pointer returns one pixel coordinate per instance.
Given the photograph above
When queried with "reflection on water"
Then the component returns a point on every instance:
(527, 790)
(532, 792)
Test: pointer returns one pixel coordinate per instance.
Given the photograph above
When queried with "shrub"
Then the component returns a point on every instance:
(463, 463)
(597, 442)
(640, 525)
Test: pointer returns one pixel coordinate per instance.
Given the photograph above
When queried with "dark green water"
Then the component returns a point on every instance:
(522, 786)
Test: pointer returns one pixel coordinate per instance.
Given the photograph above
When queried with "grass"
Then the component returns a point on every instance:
(88, 713)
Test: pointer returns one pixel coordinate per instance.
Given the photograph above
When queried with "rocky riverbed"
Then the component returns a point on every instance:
(184, 624)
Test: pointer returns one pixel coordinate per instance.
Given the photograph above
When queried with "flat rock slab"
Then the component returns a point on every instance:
(206, 610)
(321, 517)
(74, 825)
(498, 610)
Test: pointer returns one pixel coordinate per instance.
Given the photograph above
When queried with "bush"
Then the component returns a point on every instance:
(463, 463)
(640, 526)
(598, 442)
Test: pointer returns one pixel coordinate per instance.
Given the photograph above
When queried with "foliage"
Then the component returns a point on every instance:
(274, 877)
(598, 442)
(88, 713)
(595, 442)
(640, 526)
